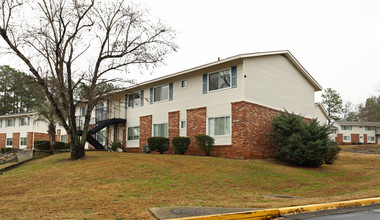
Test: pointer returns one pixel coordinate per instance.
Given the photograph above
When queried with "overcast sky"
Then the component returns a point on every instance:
(336, 41)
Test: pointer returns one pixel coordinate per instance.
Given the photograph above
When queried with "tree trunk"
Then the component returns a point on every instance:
(77, 149)
(51, 132)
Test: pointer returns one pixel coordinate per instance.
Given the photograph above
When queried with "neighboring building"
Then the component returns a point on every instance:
(20, 130)
(346, 132)
(233, 100)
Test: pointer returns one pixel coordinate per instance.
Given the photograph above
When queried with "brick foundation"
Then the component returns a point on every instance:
(196, 125)
(365, 138)
(41, 136)
(339, 138)
(145, 130)
(354, 138)
(173, 128)
(29, 139)
(16, 140)
(3, 140)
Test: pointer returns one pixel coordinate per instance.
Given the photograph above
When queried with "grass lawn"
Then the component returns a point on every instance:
(123, 185)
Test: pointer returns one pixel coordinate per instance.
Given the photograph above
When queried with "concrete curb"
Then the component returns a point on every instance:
(271, 213)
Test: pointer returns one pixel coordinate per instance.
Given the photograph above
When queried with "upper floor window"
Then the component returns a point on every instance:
(184, 84)
(83, 110)
(219, 80)
(10, 122)
(134, 99)
(161, 93)
(160, 130)
(345, 127)
(23, 140)
(219, 126)
(368, 128)
(24, 121)
(133, 133)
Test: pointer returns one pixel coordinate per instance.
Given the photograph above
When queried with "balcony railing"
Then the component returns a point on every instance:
(80, 123)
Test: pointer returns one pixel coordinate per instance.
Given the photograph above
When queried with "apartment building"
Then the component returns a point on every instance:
(346, 132)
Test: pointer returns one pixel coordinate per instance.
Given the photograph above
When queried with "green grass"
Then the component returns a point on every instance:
(121, 185)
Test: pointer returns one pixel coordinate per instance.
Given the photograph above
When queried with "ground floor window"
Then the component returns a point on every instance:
(371, 139)
(133, 133)
(219, 126)
(183, 124)
(64, 138)
(347, 138)
(9, 141)
(160, 130)
(22, 140)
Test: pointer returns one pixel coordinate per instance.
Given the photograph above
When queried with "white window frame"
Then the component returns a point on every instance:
(133, 127)
(347, 140)
(222, 135)
(154, 89)
(21, 141)
(219, 89)
(1, 123)
(7, 124)
(184, 81)
(11, 140)
(63, 135)
(26, 120)
(134, 103)
(167, 129)
(368, 128)
(343, 127)
(372, 141)
(183, 122)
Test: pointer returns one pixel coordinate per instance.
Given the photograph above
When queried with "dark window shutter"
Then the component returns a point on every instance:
(170, 91)
(142, 98)
(234, 77)
(28, 121)
(126, 101)
(204, 83)
(151, 95)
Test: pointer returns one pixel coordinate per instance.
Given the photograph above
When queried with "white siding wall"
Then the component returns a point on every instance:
(274, 82)
(322, 119)
(218, 103)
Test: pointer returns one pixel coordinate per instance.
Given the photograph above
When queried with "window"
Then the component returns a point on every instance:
(219, 126)
(1, 123)
(161, 93)
(184, 84)
(23, 121)
(9, 141)
(133, 133)
(219, 80)
(367, 128)
(183, 124)
(101, 137)
(371, 139)
(10, 122)
(333, 131)
(83, 110)
(160, 130)
(347, 138)
(346, 127)
(134, 99)
(22, 140)
(64, 138)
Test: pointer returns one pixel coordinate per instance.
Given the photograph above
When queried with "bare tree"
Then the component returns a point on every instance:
(81, 43)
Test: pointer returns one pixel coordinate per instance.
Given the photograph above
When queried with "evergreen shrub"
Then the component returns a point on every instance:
(332, 152)
(159, 144)
(205, 143)
(180, 144)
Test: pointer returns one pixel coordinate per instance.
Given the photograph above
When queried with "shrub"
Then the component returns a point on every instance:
(42, 145)
(159, 144)
(205, 143)
(62, 145)
(6, 150)
(180, 144)
(332, 152)
(359, 143)
(116, 145)
(298, 142)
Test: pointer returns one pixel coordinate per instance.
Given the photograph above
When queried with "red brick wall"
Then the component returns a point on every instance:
(365, 138)
(339, 138)
(125, 135)
(145, 129)
(173, 128)
(251, 124)
(41, 136)
(58, 135)
(16, 140)
(29, 139)
(354, 138)
(196, 125)
(3, 140)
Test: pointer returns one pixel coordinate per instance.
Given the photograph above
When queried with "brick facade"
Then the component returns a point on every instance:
(145, 129)
(365, 138)
(339, 139)
(173, 128)
(354, 138)
(16, 140)
(196, 125)
(41, 136)
(3, 140)
(58, 135)
(29, 139)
